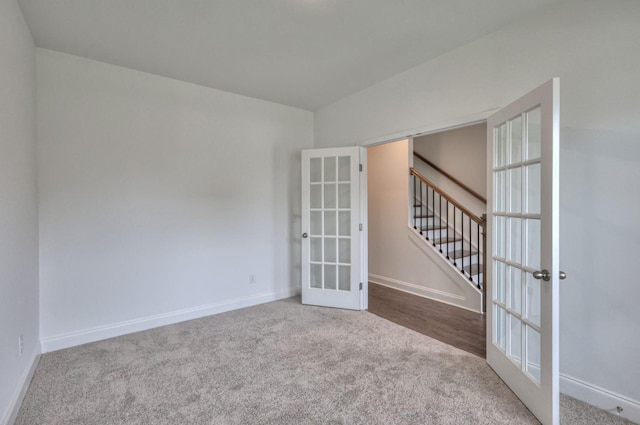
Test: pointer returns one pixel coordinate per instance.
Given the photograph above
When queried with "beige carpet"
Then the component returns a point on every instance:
(277, 363)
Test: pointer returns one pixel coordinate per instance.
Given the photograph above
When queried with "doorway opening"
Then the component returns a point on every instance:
(408, 284)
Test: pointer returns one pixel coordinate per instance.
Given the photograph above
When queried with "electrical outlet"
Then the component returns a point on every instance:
(252, 279)
(20, 345)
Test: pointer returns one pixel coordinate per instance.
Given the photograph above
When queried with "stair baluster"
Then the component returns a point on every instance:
(465, 254)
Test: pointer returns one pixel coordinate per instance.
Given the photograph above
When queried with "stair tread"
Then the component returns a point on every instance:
(462, 253)
(444, 240)
(473, 269)
(433, 227)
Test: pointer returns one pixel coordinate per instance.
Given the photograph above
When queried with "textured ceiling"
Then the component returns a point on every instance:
(303, 53)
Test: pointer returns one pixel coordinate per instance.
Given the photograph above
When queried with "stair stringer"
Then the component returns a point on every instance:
(471, 298)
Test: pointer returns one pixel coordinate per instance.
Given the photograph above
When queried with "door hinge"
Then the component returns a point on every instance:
(360, 167)
(361, 286)
(360, 227)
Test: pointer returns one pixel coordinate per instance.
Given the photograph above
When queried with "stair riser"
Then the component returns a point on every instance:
(453, 246)
(424, 222)
(436, 234)
(465, 261)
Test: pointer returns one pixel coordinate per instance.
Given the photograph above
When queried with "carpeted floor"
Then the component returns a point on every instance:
(277, 363)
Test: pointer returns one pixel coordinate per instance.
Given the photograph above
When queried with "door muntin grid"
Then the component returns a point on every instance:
(517, 233)
(331, 214)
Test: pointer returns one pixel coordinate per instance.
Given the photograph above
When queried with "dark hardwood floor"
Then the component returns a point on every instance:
(461, 328)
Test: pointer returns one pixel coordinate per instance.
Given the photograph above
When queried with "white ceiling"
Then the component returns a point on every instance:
(303, 53)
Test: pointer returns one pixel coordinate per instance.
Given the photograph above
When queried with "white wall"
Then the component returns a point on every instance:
(397, 258)
(158, 198)
(460, 152)
(18, 207)
(593, 47)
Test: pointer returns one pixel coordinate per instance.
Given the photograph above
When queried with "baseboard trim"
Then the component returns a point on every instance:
(72, 339)
(23, 385)
(421, 291)
(600, 397)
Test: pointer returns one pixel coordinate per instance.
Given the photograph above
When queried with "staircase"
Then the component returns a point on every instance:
(456, 233)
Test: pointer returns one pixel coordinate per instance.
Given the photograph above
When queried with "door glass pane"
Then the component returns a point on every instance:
(344, 278)
(533, 188)
(316, 223)
(499, 327)
(315, 170)
(515, 190)
(330, 276)
(533, 243)
(329, 195)
(515, 243)
(532, 302)
(344, 225)
(315, 196)
(515, 289)
(344, 250)
(316, 275)
(500, 146)
(515, 339)
(499, 192)
(500, 277)
(516, 140)
(344, 168)
(344, 195)
(330, 223)
(329, 169)
(533, 134)
(316, 249)
(499, 235)
(329, 250)
(533, 353)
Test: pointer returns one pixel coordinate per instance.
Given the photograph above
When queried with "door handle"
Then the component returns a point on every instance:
(304, 235)
(545, 275)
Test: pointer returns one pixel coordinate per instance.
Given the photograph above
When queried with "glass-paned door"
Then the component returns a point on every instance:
(522, 310)
(332, 260)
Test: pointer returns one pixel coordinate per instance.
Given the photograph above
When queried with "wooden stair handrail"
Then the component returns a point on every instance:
(450, 177)
(441, 192)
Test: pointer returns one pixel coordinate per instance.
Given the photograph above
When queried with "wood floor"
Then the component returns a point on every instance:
(455, 326)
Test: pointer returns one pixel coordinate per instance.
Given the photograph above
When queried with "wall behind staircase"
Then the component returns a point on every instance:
(462, 153)
(593, 47)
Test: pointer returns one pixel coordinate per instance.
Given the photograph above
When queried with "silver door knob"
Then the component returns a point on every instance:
(304, 235)
(563, 275)
(544, 275)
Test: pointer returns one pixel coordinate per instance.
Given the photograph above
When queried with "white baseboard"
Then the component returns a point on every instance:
(21, 390)
(72, 339)
(421, 291)
(600, 397)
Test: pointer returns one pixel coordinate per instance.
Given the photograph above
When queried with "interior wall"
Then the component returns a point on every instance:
(158, 198)
(593, 47)
(18, 207)
(461, 152)
(397, 259)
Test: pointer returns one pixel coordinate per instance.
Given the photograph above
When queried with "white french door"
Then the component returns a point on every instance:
(523, 242)
(334, 261)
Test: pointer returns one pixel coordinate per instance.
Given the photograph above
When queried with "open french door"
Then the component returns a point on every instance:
(334, 260)
(523, 242)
